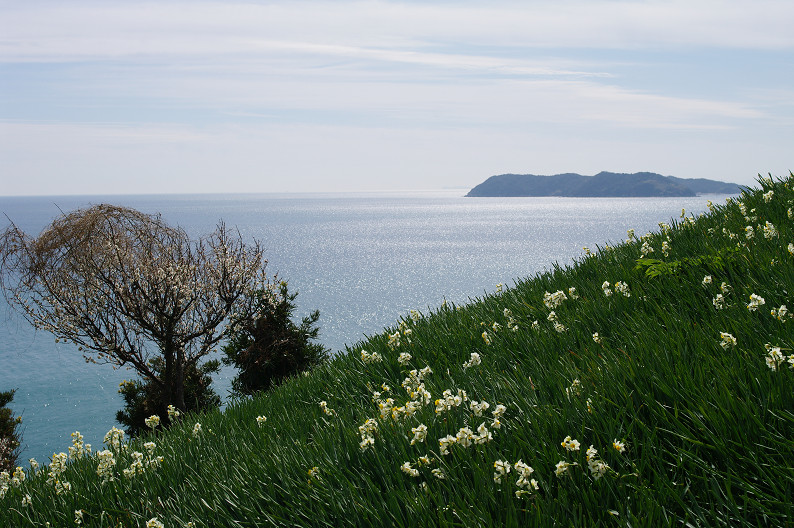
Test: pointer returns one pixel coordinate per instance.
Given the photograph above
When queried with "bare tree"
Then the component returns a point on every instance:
(126, 288)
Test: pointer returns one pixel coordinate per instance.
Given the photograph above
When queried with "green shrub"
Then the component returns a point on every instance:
(9, 436)
(143, 398)
(270, 348)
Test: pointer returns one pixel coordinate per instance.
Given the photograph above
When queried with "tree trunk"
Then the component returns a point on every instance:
(179, 381)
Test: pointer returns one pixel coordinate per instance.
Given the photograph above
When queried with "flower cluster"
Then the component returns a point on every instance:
(136, 468)
(14, 480)
(409, 470)
(501, 469)
(367, 431)
(718, 302)
(56, 469)
(646, 249)
(525, 484)
(553, 300)
(727, 340)
(394, 340)
(775, 357)
(105, 466)
(781, 314)
(497, 413)
(570, 444)
(417, 393)
(465, 438)
(173, 413)
(404, 358)
(755, 302)
(420, 433)
(561, 468)
(448, 400)
(260, 420)
(78, 447)
(479, 407)
(139, 465)
(114, 439)
(512, 324)
(374, 357)
(597, 467)
(326, 410)
(558, 326)
(622, 288)
(770, 231)
(473, 361)
(152, 422)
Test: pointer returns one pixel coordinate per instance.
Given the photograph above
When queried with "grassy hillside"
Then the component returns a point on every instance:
(662, 369)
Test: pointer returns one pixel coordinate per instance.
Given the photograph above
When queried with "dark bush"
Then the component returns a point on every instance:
(272, 347)
(143, 398)
(9, 435)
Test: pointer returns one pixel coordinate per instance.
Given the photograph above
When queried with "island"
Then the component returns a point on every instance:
(603, 184)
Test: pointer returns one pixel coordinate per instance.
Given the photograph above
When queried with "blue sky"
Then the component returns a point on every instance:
(292, 96)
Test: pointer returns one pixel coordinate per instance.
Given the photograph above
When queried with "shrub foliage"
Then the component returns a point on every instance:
(270, 348)
(9, 434)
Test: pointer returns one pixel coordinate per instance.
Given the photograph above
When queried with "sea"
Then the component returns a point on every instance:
(362, 259)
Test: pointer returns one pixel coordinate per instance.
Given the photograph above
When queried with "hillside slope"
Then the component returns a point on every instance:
(633, 388)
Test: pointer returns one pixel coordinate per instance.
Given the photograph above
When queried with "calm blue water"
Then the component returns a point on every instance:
(363, 260)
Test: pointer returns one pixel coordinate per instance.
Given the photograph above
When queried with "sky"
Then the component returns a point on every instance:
(138, 97)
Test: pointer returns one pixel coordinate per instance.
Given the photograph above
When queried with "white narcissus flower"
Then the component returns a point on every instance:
(774, 358)
(473, 361)
(479, 407)
(501, 468)
(561, 468)
(622, 288)
(420, 433)
(570, 444)
(153, 421)
(727, 340)
(755, 302)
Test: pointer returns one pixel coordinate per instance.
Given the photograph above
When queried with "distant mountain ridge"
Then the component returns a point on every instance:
(603, 184)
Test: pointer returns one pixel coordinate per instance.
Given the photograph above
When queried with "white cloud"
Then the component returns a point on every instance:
(79, 30)
(304, 94)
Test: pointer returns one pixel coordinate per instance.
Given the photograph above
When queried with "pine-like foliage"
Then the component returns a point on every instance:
(272, 347)
(9, 435)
